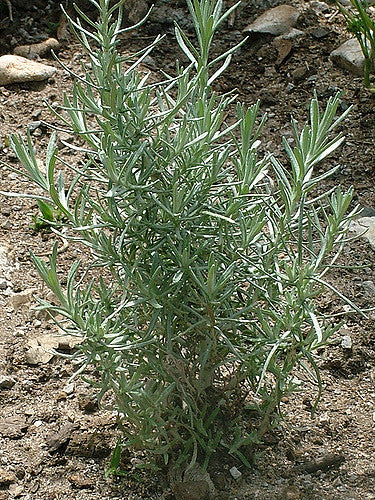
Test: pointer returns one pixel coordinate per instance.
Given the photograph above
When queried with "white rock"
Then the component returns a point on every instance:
(235, 473)
(349, 56)
(346, 342)
(69, 388)
(365, 225)
(16, 69)
(275, 21)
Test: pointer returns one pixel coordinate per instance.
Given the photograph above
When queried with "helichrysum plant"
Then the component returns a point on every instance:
(196, 298)
(362, 25)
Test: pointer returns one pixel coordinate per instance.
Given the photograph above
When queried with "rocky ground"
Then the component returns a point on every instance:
(55, 441)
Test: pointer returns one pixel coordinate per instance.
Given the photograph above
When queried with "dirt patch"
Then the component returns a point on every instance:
(55, 440)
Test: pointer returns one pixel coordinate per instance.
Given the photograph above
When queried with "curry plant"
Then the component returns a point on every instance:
(362, 25)
(196, 299)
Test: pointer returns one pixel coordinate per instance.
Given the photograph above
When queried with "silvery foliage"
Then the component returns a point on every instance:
(204, 257)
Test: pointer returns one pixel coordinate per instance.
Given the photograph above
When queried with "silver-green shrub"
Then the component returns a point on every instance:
(205, 259)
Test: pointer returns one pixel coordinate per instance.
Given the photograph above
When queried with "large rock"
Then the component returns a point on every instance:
(276, 21)
(349, 56)
(16, 69)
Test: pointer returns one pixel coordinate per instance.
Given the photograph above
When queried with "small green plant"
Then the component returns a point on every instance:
(360, 23)
(205, 258)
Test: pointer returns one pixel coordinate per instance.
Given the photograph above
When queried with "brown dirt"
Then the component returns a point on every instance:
(55, 442)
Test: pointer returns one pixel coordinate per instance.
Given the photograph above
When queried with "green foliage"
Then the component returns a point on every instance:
(360, 23)
(209, 257)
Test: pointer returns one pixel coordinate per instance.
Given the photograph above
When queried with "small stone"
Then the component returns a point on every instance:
(150, 62)
(320, 6)
(6, 382)
(235, 473)
(81, 482)
(369, 287)
(324, 419)
(69, 388)
(367, 211)
(88, 403)
(32, 126)
(275, 21)
(319, 32)
(364, 226)
(6, 478)
(346, 342)
(21, 299)
(299, 73)
(90, 444)
(136, 10)
(41, 348)
(283, 47)
(37, 49)
(60, 439)
(3, 283)
(13, 427)
(312, 78)
(16, 69)
(15, 490)
(36, 114)
(349, 56)
(38, 355)
(293, 34)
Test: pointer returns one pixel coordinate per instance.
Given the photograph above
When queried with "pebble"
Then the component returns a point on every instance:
(32, 126)
(349, 56)
(293, 34)
(15, 490)
(136, 10)
(88, 403)
(6, 382)
(81, 482)
(369, 287)
(36, 114)
(13, 427)
(235, 473)
(276, 21)
(364, 224)
(58, 440)
(37, 49)
(16, 69)
(299, 73)
(69, 388)
(6, 478)
(346, 342)
(283, 47)
(320, 6)
(21, 299)
(320, 32)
